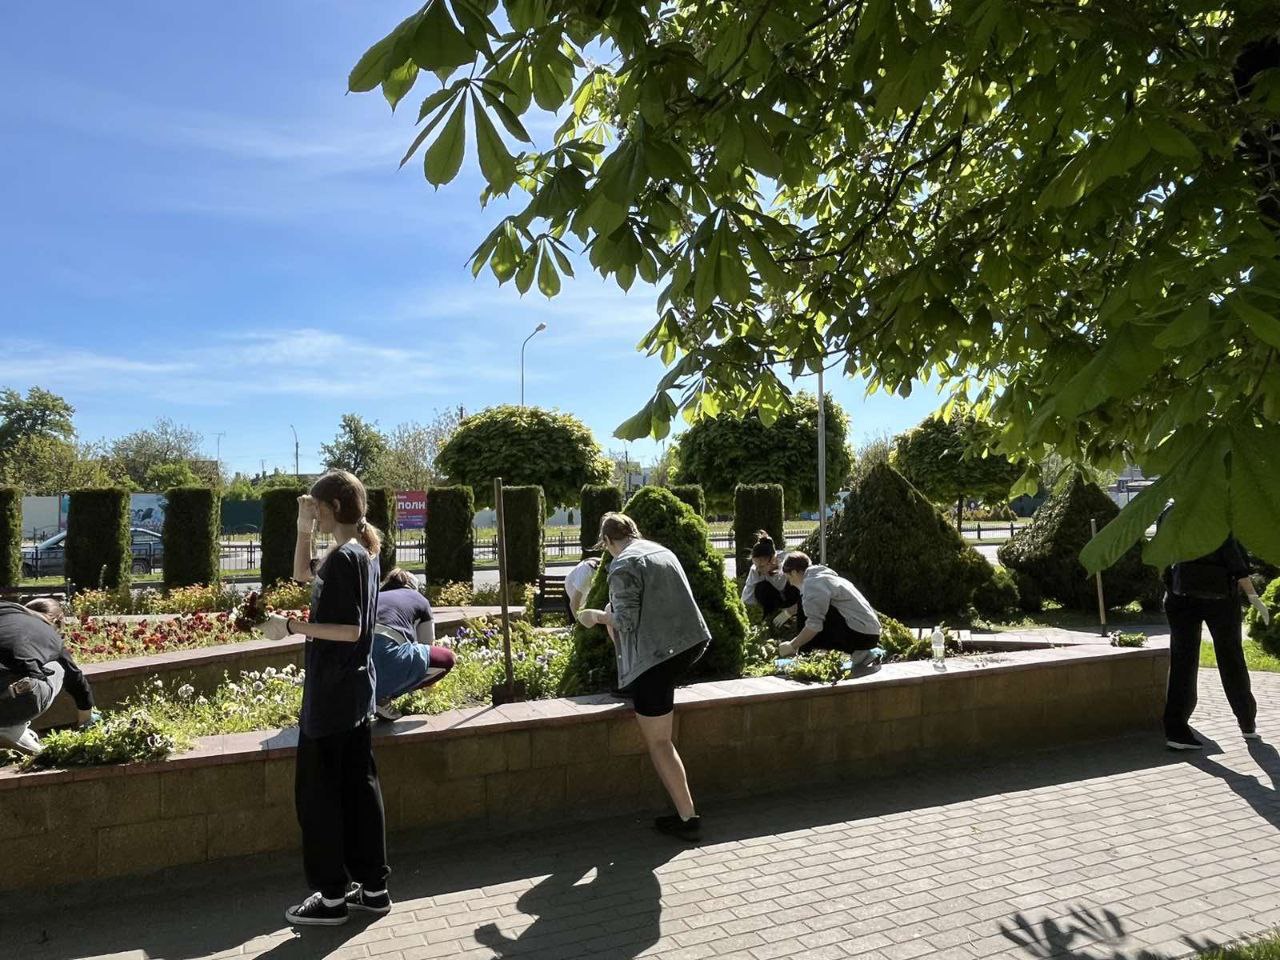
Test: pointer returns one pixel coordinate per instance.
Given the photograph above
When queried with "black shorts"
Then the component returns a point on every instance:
(654, 691)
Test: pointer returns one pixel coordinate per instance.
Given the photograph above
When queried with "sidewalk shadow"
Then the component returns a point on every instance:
(1263, 798)
(1085, 935)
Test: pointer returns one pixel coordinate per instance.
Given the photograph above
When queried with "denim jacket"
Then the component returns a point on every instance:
(654, 613)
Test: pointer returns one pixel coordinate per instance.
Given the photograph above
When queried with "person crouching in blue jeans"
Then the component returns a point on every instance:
(405, 656)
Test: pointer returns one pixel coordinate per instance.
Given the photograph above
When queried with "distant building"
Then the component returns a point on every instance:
(1128, 485)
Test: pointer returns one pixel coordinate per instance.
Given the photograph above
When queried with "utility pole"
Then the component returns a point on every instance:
(297, 474)
(218, 456)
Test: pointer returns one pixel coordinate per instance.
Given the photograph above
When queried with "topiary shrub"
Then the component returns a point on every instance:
(668, 521)
(756, 506)
(693, 495)
(524, 514)
(99, 550)
(381, 512)
(451, 514)
(279, 532)
(1047, 550)
(1267, 636)
(1030, 596)
(192, 524)
(10, 536)
(997, 599)
(899, 551)
(597, 500)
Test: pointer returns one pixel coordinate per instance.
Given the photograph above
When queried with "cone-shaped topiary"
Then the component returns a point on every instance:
(1047, 550)
(597, 500)
(663, 518)
(10, 536)
(899, 551)
(381, 512)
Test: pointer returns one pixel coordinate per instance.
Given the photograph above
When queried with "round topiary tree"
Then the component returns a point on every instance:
(525, 446)
(900, 552)
(1047, 550)
(1268, 635)
(663, 518)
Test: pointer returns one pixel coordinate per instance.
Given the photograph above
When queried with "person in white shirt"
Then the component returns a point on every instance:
(578, 582)
(836, 615)
(767, 585)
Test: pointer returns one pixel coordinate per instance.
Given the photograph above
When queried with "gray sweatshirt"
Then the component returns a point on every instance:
(778, 579)
(654, 612)
(823, 588)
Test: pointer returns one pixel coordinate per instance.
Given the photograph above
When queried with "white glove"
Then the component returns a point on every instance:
(1262, 609)
(787, 649)
(276, 627)
(590, 618)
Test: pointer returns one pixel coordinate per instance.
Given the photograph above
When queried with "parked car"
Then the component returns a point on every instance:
(49, 559)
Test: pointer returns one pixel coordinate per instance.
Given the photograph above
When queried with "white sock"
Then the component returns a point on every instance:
(333, 903)
(374, 893)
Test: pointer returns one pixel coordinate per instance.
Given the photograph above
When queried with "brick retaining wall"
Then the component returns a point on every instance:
(518, 765)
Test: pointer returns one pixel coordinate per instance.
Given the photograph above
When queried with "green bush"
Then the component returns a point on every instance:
(192, 526)
(1030, 596)
(997, 599)
(1267, 636)
(525, 512)
(279, 532)
(899, 642)
(672, 523)
(381, 512)
(99, 548)
(1047, 550)
(122, 738)
(899, 551)
(451, 513)
(10, 536)
(693, 495)
(756, 506)
(597, 500)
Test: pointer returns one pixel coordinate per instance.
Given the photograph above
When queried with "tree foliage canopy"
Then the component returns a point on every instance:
(525, 446)
(723, 451)
(947, 460)
(1084, 195)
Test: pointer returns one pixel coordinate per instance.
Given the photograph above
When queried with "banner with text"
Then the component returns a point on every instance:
(411, 510)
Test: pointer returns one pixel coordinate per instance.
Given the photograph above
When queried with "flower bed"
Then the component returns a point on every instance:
(95, 639)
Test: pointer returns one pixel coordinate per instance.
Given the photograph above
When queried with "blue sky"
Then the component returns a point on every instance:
(199, 224)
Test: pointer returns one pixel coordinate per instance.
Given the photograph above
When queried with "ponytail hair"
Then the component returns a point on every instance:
(764, 546)
(345, 492)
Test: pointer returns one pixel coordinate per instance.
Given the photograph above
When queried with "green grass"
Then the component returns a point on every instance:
(1258, 660)
(1069, 618)
(1267, 948)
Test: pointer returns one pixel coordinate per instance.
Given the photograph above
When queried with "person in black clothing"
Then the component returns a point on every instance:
(336, 789)
(34, 667)
(1203, 592)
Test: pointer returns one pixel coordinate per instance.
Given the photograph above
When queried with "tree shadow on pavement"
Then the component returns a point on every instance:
(1085, 934)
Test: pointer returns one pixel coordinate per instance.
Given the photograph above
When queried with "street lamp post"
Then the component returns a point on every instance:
(218, 455)
(297, 474)
(536, 330)
(822, 472)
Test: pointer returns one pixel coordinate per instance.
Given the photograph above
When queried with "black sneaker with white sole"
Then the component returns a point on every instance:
(358, 898)
(314, 912)
(1183, 740)
(674, 825)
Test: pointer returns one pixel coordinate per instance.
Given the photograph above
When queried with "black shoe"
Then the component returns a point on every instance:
(314, 912)
(360, 899)
(1183, 740)
(673, 825)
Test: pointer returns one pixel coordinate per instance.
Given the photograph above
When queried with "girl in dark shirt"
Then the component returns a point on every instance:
(336, 787)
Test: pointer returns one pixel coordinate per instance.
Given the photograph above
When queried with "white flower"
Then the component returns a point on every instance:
(233, 688)
(259, 699)
(159, 684)
(254, 675)
(257, 685)
(269, 673)
(201, 701)
(185, 691)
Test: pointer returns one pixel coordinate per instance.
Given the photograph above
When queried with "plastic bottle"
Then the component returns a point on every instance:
(939, 647)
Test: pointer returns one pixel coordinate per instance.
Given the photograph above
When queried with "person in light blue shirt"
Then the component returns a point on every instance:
(405, 655)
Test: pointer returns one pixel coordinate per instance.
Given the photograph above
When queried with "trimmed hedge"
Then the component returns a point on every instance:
(10, 536)
(597, 500)
(381, 512)
(900, 551)
(998, 599)
(524, 514)
(279, 532)
(99, 550)
(192, 525)
(693, 495)
(756, 506)
(1047, 551)
(451, 513)
(671, 522)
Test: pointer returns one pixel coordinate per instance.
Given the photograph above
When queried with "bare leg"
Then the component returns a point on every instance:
(657, 737)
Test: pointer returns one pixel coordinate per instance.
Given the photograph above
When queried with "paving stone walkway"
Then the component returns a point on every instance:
(1116, 850)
